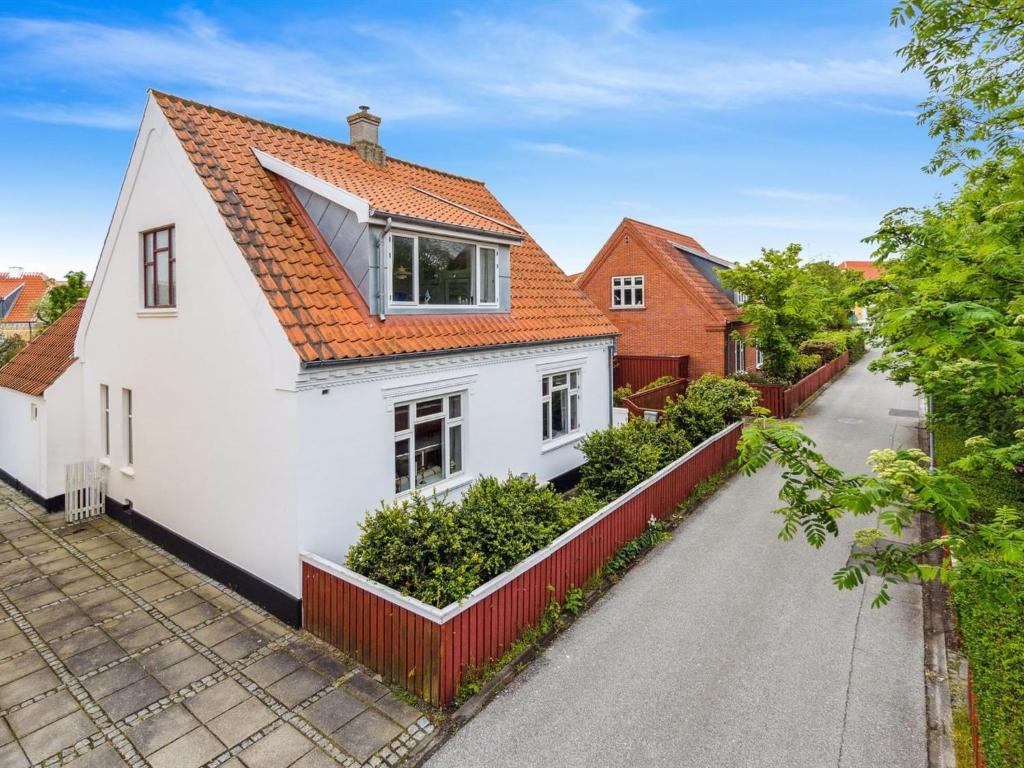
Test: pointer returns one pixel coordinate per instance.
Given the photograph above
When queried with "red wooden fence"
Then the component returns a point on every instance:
(782, 401)
(640, 370)
(654, 399)
(427, 650)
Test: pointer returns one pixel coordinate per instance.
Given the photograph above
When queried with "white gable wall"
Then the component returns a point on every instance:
(212, 384)
(21, 438)
(62, 417)
(346, 447)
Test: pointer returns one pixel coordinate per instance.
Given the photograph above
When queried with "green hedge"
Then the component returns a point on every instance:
(622, 457)
(710, 404)
(990, 609)
(853, 341)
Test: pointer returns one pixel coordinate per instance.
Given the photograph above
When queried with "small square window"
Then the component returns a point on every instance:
(628, 291)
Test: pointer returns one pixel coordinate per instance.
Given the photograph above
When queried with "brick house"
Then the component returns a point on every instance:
(661, 290)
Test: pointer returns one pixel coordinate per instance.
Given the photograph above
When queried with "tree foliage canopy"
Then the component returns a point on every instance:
(61, 298)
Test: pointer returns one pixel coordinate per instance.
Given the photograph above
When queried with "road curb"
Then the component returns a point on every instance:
(938, 703)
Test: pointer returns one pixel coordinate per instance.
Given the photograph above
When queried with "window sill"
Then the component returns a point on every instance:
(105, 462)
(561, 442)
(441, 487)
(626, 309)
(158, 312)
(128, 471)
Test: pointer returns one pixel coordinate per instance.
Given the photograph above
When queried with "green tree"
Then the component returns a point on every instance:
(61, 298)
(786, 303)
(970, 52)
(9, 347)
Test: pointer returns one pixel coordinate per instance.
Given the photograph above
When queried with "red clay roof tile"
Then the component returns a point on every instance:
(33, 287)
(322, 313)
(46, 357)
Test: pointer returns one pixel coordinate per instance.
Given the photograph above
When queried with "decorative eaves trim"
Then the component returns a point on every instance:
(344, 198)
(426, 388)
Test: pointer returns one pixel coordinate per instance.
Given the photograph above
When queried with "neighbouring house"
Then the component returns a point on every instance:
(870, 271)
(41, 411)
(286, 330)
(661, 290)
(20, 293)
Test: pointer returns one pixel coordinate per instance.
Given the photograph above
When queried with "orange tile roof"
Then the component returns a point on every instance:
(662, 243)
(46, 357)
(34, 287)
(316, 302)
(866, 268)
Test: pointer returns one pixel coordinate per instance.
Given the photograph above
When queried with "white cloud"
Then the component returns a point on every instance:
(793, 195)
(552, 148)
(543, 62)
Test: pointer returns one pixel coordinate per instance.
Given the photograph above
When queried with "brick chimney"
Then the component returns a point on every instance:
(363, 136)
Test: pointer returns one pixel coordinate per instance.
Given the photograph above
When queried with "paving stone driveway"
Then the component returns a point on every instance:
(114, 653)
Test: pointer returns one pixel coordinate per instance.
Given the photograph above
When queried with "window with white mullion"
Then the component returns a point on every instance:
(560, 404)
(428, 441)
(438, 272)
(628, 291)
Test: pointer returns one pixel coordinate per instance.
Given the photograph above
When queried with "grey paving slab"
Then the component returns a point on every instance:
(281, 748)
(147, 649)
(367, 734)
(242, 720)
(728, 647)
(334, 710)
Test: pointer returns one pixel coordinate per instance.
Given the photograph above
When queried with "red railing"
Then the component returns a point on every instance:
(428, 650)
(640, 370)
(782, 401)
(654, 399)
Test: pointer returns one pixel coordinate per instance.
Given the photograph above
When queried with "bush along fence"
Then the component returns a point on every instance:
(639, 370)
(782, 401)
(428, 650)
(654, 399)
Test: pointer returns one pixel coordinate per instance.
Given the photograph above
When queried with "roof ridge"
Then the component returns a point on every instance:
(307, 134)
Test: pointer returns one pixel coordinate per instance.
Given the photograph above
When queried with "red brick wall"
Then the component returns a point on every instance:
(673, 321)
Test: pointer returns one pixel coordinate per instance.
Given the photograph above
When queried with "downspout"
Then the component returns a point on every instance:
(611, 383)
(381, 273)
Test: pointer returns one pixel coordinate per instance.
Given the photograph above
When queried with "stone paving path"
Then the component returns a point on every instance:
(114, 653)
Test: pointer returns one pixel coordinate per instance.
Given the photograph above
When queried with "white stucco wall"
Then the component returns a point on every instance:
(346, 444)
(63, 428)
(215, 418)
(21, 438)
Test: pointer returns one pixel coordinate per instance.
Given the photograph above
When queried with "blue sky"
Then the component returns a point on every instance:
(744, 124)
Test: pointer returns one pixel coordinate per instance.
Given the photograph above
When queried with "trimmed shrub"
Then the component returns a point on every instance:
(620, 393)
(711, 403)
(439, 551)
(989, 600)
(853, 341)
(620, 457)
(826, 349)
(806, 364)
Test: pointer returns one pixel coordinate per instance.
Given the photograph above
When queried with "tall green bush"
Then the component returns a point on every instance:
(621, 457)
(710, 404)
(990, 609)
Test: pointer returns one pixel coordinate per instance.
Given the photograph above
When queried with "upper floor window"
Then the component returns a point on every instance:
(628, 291)
(430, 271)
(739, 298)
(158, 277)
(428, 441)
(560, 404)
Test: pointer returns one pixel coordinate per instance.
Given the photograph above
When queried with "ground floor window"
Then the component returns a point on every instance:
(560, 404)
(428, 441)
(739, 355)
(758, 357)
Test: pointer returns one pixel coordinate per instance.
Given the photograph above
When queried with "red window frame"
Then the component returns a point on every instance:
(150, 259)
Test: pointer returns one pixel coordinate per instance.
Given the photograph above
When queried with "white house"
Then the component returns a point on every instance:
(285, 330)
(41, 412)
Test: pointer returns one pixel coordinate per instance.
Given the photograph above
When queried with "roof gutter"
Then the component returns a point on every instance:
(381, 217)
(316, 364)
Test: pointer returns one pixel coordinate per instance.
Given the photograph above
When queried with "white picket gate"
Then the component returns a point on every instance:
(85, 490)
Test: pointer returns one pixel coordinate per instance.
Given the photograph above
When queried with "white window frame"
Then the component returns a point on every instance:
(105, 419)
(477, 271)
(573, 392)
(739, 298)
(128, 413)
(758, 358)
(448, 421)
(739, 355)
(34, 412)
(628, 285)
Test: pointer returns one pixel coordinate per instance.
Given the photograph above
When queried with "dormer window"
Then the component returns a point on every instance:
(436, 272)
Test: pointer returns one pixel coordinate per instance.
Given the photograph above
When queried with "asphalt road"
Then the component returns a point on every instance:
(727, 647)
